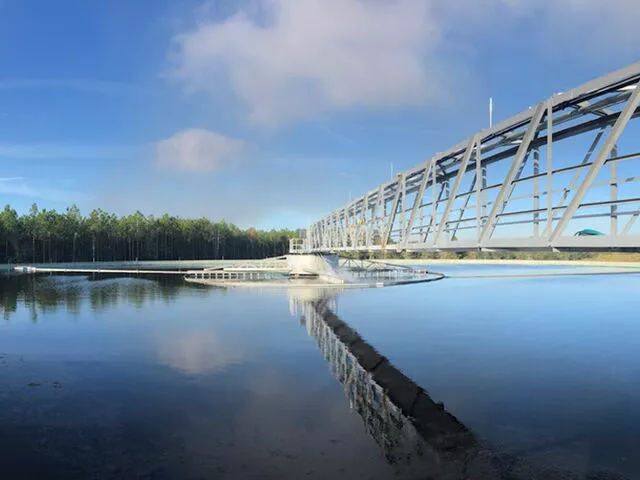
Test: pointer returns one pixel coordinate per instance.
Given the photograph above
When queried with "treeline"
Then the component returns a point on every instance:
(47, 236)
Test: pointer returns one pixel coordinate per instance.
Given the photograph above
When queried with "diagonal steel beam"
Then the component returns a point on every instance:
(392, 214)
(499, 204)
(466, 203)
(403, 204)
(587, 157)
(630, 223)
(418, 200)
(612, 140)
(435, 203)
(462, 169)
(550, 139)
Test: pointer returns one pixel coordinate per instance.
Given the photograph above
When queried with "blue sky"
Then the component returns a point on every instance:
(270, 112)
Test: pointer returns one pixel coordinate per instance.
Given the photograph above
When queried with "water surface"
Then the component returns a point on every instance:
(154, 378)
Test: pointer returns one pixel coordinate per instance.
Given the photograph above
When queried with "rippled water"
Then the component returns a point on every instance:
(155, 378)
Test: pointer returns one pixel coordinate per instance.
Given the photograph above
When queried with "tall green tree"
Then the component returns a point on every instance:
(50, 236)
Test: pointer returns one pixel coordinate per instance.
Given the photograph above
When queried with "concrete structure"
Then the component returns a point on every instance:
(324, 266)
(528, 183)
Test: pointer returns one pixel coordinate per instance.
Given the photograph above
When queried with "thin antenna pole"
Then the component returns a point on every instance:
(490, 112)
(391, 166)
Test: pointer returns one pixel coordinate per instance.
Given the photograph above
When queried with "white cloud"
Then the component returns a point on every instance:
(291, 60)
(197, 150)
(298, 58)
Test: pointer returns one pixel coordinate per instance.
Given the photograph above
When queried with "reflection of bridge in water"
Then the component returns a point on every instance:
(419, 438)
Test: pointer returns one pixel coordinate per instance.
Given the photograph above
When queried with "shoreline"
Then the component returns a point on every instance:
(568, 263)
(109, 266)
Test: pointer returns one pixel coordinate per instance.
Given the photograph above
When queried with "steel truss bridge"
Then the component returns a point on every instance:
(560, 176)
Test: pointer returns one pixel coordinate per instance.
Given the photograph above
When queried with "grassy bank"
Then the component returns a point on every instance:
(613, 257)
(582, 263)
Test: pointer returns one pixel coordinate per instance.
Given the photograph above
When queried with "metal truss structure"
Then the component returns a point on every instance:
(560, 176)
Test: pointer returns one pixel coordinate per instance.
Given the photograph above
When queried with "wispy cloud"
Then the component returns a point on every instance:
(67, 151)
(51, 191)
(342, 138)
(583, 27)
(103, 87)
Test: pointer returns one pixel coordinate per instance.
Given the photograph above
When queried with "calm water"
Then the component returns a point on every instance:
(153, 378)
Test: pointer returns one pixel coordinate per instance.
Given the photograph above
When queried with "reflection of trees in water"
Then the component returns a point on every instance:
(49, 294)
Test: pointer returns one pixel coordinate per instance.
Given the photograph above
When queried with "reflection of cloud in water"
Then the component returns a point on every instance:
(197, 352)
(292, 435)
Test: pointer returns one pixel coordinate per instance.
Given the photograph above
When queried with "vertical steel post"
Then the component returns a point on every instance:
(478, 190)
(434, 206)
(549, 227)
(536, 192)
(613, 182)
(380, 210)
(403, 205)
(484, 195)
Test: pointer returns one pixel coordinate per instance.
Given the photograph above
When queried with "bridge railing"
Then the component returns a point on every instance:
(297, 245)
